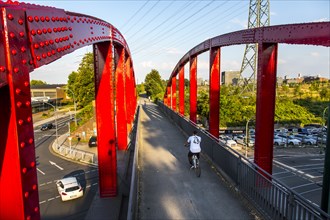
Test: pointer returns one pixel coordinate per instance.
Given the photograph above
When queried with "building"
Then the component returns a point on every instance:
(230, 77)
(47, 96)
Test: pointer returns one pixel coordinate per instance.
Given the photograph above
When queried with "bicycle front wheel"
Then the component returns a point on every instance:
(198, 171)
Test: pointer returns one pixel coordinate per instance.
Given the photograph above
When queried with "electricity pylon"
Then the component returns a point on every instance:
(258, 17)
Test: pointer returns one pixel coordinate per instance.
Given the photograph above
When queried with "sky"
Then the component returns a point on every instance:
(160, 32)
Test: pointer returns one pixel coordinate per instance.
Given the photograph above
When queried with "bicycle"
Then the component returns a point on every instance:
(196, 166)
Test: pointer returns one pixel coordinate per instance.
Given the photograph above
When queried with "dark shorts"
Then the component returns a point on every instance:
(190, 154)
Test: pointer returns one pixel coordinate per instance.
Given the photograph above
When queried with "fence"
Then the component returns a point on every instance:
(271, 197)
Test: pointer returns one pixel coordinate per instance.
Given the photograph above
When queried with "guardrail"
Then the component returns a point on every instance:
(269, 196)
(73, 154)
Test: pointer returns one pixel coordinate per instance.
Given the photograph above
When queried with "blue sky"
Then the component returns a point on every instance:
(159, 33)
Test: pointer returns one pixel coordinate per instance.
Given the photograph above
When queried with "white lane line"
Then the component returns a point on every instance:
(42, 184)
(40, 171)
(88, 186)
(293, 169)
(54, 164)
(49, 182)
(50, 199)
(307, 184)
(313, 190)
(42, 202)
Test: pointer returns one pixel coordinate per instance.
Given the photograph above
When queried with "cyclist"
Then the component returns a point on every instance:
(194, 142)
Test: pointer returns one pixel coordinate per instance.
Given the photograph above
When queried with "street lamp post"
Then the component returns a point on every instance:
(55, 121)
(246, 136)
(74, 103)
(324, 115)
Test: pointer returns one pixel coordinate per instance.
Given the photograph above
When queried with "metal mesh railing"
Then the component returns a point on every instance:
(272, 198)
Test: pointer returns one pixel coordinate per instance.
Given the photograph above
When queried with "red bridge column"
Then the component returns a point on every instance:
(105, 119)
(19, 197)
(121, 99)
(168, 96)
(265, 107)
(193, 89)
(214, 91)
(173, 93)
(181, 91)
(128, 92)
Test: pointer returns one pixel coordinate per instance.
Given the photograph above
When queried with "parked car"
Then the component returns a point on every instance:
(92, 141)
(69, 188)
(227, 141)
(290, 140)
(305, 139)
(278, 141)
(47, 126)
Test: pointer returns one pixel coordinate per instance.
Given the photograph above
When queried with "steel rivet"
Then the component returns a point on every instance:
(33, 32)
(22, 145)
(53, 52)
(44, 55)
(26, 83)
(92, 32)
(36, 18)
(24, 61)
(20, 121)
(42, 18)
(36, 209)
(21, 34)
(19, 104)
(28, 217)
(39, 32)
(32, 164)
(49, 30)
(16, 70)
(30, 141)
(34, 187)
(29, 119)
(14, 52)
(30, 19)
(51, 42)
(24, 170)
(53, 19)
(18, 91)
(23, 49)
(49, 54)
(71, 36)
(46, 43)
(11, 34)
(44, 31)
(42, 44)
(27, 103)
(26, 194)
(47, 19)
(10, 16)
(36, 46)
(38, 58)
(55, 30)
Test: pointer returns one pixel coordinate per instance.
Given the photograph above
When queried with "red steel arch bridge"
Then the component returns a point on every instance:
(33, 36)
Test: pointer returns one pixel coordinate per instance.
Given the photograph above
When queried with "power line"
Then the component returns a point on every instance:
(135, 14)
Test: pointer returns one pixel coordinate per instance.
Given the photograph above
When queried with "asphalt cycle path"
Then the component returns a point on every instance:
(168, 188)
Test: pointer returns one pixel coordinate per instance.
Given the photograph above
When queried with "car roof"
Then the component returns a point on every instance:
(69, 180)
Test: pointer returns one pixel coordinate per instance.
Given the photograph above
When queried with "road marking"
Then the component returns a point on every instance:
(52, 163)
(294, 169)
(50, 199)
(42, 202)
(317, 189)
(40, 171)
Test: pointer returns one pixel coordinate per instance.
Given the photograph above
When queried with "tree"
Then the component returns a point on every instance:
(81, 82)
(37, 82)
(153, 85)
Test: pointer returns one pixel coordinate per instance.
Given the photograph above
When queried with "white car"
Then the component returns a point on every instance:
(69, 188)
(227, 141)
(290, 140)
(305, 139)
(278, 141)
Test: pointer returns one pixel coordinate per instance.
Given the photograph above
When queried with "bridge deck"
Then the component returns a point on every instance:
(169, 189)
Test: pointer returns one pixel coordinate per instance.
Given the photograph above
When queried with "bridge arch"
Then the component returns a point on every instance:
(267, 38)
(33, 36)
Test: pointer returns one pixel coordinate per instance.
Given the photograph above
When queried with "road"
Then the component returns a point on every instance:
(51, 168)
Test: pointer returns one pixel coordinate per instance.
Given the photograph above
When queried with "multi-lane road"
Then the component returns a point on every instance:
(51, 168)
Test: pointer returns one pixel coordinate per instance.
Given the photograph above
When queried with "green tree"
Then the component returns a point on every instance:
(325, 93)
(37, 82)
(153, 85)
(81, 82)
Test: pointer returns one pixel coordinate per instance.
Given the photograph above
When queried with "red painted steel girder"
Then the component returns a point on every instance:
(32, 36)
(314, 33)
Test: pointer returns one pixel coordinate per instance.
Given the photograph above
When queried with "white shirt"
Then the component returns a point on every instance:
(195, 141)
